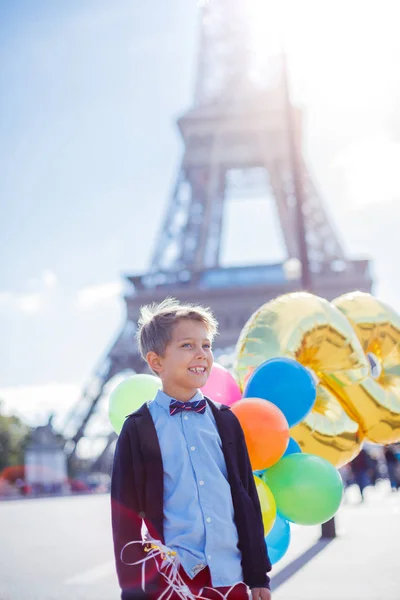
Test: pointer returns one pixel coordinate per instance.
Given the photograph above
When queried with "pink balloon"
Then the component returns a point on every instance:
(221, 386)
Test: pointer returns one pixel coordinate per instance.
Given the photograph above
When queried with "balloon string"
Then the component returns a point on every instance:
(169, 568)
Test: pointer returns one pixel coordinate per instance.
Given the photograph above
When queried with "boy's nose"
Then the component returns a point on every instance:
(201, 353)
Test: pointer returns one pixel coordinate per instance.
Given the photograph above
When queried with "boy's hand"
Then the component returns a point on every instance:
(260, 594)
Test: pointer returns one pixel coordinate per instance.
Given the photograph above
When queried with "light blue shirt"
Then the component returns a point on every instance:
(198, 509)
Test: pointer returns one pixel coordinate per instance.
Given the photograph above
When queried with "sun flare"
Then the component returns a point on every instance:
(343, 69)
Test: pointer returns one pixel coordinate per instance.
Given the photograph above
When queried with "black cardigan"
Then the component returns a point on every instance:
(137, 488)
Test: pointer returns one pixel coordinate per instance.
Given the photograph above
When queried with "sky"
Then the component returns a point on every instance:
(89, 148)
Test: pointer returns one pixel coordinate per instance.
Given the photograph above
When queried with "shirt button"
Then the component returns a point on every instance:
(208, 520)
(209, 556)
(201, 482)
(193, 448)
(186, 417)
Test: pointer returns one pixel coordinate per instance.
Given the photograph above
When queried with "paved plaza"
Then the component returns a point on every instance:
(60, 548)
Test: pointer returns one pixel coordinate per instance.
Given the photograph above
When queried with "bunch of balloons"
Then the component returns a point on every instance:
(351, 348)
(293, 487)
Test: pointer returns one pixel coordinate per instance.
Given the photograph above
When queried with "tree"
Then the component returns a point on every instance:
(14, 436)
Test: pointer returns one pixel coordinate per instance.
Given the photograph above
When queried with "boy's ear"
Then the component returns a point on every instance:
(154, 362)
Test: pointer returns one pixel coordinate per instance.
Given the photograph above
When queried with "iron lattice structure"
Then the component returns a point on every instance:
(240, 136)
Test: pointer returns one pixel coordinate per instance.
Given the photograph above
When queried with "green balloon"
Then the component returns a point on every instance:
(129, 395)
(307, 488)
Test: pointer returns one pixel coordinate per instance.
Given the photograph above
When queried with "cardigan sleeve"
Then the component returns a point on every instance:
(260, 563)
(126, 515)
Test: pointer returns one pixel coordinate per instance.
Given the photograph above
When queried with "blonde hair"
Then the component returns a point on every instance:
(156, 323)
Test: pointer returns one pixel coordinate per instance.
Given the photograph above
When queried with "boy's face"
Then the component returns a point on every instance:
(187, 361)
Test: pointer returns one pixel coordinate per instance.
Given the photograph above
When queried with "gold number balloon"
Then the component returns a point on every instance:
(315, 333)
(375, 402)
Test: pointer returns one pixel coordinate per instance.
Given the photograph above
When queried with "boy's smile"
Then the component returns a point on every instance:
(187, 360)
(197, 370)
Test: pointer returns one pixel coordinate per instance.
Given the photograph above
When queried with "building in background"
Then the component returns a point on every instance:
(46, 462)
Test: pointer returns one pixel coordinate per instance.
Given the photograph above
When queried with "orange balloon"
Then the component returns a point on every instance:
(265, 429)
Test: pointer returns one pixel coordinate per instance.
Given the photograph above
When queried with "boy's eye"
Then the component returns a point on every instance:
(189, 345)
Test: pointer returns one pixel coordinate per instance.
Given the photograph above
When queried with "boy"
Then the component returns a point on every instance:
(181, 466)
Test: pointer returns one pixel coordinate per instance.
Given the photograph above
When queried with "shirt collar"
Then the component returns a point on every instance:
(164, 400)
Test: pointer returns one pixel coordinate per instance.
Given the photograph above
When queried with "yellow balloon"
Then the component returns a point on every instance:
(375, 402)
(316, 334)
(328, 431)
(268, 504)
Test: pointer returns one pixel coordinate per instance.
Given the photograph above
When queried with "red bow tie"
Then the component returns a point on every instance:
(177, 406)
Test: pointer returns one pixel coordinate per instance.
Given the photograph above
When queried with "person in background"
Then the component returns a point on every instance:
(393, 467)
(361, 467)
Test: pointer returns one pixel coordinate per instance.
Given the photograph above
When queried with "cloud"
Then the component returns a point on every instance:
(49, 279)
(29, 303)
(33, 301)
(33, 404)
(102, 293)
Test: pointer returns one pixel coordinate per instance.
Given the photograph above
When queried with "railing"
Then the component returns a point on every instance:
(219, 277)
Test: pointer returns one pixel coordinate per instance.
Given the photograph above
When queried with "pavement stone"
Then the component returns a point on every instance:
(361, 563)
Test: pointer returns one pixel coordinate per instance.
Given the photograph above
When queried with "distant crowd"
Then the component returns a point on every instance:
(373, 463)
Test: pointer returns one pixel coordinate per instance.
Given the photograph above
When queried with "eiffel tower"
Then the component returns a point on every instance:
(240, 138)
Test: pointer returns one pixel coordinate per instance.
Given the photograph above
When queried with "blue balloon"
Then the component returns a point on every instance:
(285, 383)
(293, 448)
(259, 473)
(278, 539)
